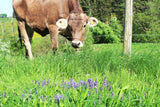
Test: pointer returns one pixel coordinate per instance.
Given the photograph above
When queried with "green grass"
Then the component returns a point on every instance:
(136, 78)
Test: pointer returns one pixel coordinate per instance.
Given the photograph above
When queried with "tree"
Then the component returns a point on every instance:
(3, 15)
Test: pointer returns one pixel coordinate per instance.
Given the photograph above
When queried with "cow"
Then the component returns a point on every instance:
(64, 17)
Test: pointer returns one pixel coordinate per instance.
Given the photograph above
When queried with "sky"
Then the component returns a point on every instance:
(6, 7)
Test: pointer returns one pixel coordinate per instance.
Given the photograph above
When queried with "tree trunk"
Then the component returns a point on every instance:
(128, 27)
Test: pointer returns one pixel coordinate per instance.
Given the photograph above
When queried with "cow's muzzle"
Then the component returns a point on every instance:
(77, 44)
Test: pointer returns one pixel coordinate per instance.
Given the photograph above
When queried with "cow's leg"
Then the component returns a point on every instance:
(30, 35)
(53, 30)
(26, 41)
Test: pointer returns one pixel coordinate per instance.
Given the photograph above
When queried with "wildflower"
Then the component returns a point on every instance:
(68, 84)
(112, 94)
(81, 82)
(110, 87)
(57, 98)
(105, 83)
(94, 103)
(39, 83)
(122, 97)
(89, 81)
(22, 95)
(96, 83)
(43, 82)
(47, 82)
(144, 95)
(91, 86)
(76, 85)
(35, 82)
(61, 96)
(72, 82)
(102, 88)
(4, 94)
(36, 92)
(55, 84)
(41, 97)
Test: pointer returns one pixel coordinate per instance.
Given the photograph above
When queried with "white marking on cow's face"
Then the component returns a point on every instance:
(77, 44)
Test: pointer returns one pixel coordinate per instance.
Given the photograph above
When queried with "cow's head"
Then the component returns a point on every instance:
(77, 22)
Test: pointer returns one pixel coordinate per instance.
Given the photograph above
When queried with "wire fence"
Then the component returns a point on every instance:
(8, 30)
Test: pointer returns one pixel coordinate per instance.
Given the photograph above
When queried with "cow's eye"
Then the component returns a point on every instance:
(84, 25)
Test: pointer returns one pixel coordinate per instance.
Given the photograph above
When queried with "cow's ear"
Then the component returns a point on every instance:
(62, 23)
(92, 22)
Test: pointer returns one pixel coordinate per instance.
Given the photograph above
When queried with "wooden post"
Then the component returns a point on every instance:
(128, 27)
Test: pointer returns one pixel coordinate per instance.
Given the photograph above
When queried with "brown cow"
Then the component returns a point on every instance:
(53, 17)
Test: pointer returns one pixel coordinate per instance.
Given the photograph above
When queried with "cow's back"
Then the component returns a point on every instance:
(38, 14)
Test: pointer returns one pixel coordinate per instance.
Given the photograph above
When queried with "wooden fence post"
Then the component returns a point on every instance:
(128, 27)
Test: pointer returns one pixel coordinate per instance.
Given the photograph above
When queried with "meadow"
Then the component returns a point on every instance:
(98, 76)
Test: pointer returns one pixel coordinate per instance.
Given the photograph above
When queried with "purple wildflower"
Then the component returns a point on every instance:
(112, 94)
(144, 95)
(35, 82)
(43, 82)
(55, 84)
(76, 85)
(39, 83)
(68, 84)
(41, 97)
(57, 98)
(81, 82)
(22, 95)
(96, 83)
(36, 92)
(105, 83)
(110, 87)
(4, 94)
(91, 85)
(72, 82)
(89, 81)
(65, 82)
(61, 96)
(122, 97)
(94, 103)
(47, 81)
(102, 87)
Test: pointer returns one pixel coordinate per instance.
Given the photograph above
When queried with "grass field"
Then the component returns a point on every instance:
(100, 76)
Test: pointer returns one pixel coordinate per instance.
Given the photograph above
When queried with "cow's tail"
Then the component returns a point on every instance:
(20, 36)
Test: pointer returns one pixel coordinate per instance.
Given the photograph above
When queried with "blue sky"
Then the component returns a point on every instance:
(6, 7)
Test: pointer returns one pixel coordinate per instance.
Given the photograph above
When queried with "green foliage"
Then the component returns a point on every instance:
(3, 15)
(107, 33)
(146, 21)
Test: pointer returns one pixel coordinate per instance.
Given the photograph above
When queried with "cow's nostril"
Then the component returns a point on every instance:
(77, 44)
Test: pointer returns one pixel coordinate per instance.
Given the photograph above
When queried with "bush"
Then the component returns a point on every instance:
(107, 33)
